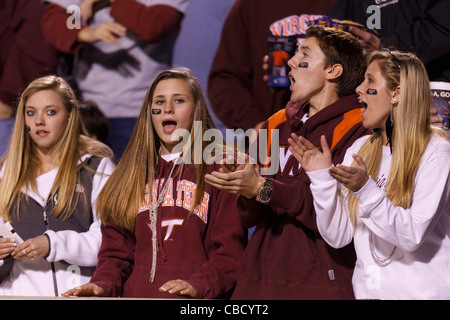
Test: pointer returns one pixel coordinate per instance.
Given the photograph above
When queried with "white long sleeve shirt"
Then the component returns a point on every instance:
(420, 265)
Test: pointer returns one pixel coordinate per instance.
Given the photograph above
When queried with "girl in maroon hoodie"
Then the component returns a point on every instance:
(165, 231)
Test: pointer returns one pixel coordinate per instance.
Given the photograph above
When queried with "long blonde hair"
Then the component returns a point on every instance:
(125, 189)
(21, 163)
(412, 127)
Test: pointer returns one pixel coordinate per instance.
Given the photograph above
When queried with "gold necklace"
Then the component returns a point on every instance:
(380, 261)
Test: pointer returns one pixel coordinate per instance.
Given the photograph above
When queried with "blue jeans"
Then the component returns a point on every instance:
(6, 129)
(120, 131)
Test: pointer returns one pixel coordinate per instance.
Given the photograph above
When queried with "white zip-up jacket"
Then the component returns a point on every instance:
(419, 268)
(74, 243)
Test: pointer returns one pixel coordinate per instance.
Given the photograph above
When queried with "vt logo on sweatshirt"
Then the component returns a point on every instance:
(285, 157)
(169, 224)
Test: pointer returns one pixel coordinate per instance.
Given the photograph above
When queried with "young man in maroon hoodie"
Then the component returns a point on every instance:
(286, 258)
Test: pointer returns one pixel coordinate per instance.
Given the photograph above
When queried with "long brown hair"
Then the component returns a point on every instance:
(21, 162)
(125, 189)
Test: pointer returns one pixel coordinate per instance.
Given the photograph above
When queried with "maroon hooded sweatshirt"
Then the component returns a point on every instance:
(205, 249)
(24, 53)
(286, 258)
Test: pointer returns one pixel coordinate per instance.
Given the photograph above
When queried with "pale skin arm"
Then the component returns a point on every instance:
(107, 32)
(312, 159)
(369, 41)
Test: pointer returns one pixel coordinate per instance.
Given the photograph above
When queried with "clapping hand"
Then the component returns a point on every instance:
(353, 178)
(312, 159)
(237, 177)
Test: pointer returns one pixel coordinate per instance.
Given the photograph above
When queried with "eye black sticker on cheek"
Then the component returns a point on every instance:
(303, 64)
(28, 128)
(156, 111)
(372, 92)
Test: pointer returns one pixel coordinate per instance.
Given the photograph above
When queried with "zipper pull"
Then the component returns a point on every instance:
(45, 216)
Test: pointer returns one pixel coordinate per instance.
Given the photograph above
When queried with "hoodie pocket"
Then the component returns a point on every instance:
(139, 285)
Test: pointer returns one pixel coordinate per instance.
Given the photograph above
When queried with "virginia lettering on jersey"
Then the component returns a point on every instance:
(292, 25)
(184, 197)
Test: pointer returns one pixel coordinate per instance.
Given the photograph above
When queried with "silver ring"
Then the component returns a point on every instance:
(24, 252)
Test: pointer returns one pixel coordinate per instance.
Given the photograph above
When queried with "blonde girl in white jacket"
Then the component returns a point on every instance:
(50, 179)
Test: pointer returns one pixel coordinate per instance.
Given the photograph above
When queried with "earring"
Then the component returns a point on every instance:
(390, 128)
(391, 117)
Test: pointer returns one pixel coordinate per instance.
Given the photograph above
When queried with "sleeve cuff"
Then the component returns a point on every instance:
(49, 246)
(50, 256)
(318, 176)
(369, 196)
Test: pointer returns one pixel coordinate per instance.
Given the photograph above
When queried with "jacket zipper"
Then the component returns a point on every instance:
(52, 264)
